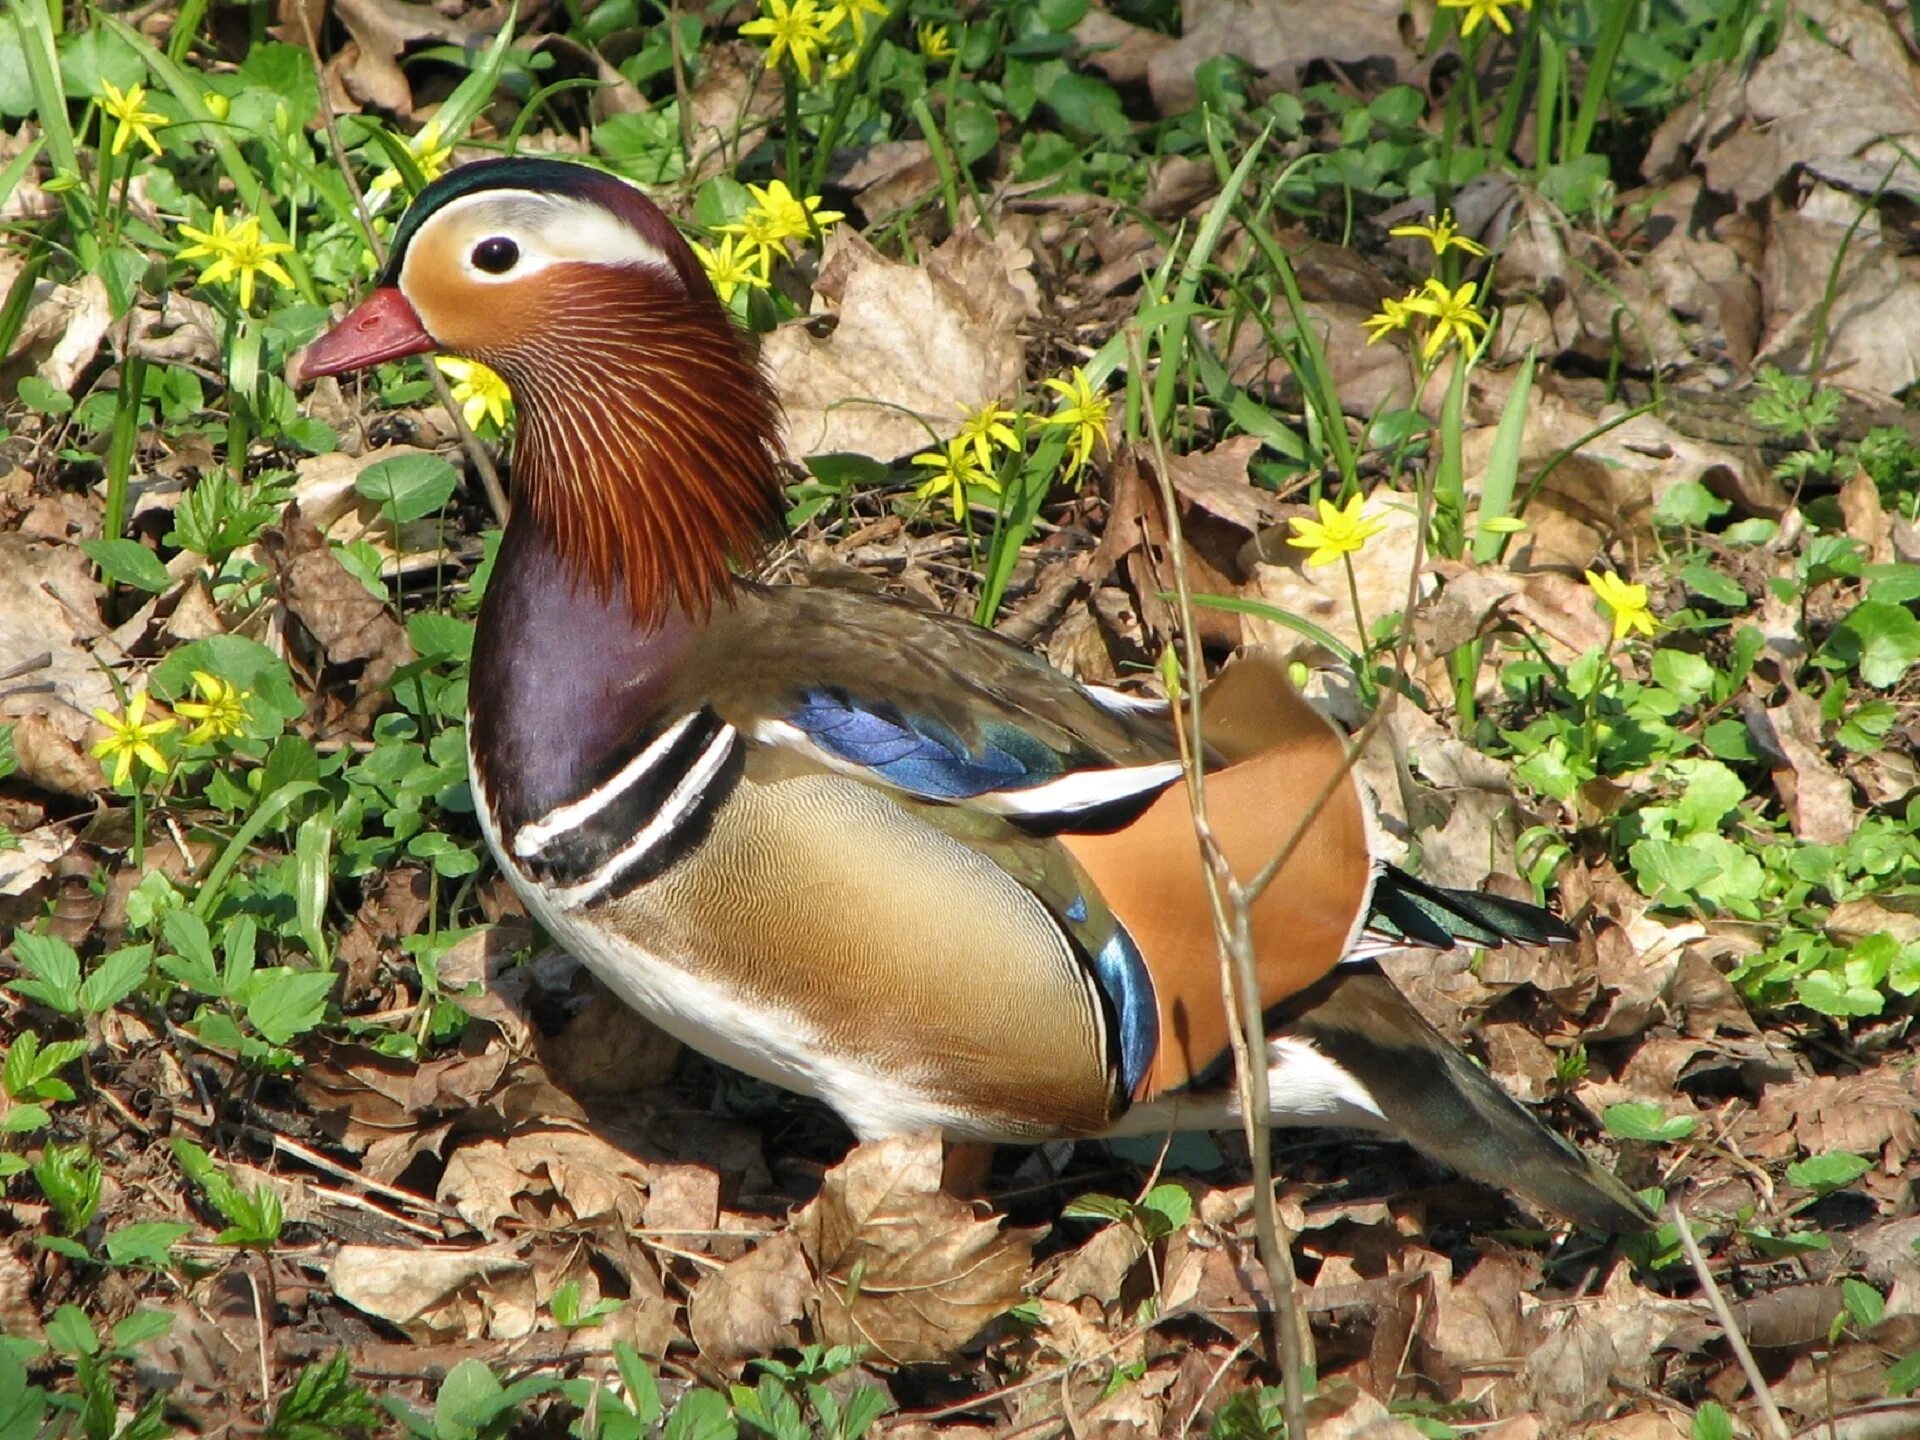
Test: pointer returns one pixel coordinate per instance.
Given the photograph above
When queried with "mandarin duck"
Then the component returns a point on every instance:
(864, 851)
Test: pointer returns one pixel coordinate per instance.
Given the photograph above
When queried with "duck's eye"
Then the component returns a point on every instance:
(496, 255)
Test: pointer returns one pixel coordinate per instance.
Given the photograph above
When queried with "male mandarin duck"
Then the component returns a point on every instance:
(867, 852)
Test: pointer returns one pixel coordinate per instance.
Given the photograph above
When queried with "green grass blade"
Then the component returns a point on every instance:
(1503, 467)
(34, 26)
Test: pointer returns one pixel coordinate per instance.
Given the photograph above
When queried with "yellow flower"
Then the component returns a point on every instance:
(1627, 603)
(1340, 530)
(732, 265)
(955, 468)
(1441, 235)
(479, 392)
(238, 254)
(1452, 314)
(428, 153)
(935, 44)
(221, 709)
(853, 14)
(131, 738)
(794, 28)
(776, 217)
(1478, 10)
(1392, 315)
(841, 65)
(987, 427)
(1085, 412)
(134, 123)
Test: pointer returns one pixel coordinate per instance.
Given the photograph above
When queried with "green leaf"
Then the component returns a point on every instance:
(1688, 676)
(1709, 791)
(149, 1243)
(283, 1003)
(701, 1415)
(54, 969)
(1903, 1376)
(1827, 993)
(70, 1333)
(1826, 1173)
(192, 963)
(1643, 1120)
(239, 661)
(1864, 1304)
(1165, 1209)
(436, 636)
(408, 487)
(1881, 639)
(1711, 1422)
(1715, 585)
(142, 1325)
(116, 977)
(1688, 503)
(128, 562)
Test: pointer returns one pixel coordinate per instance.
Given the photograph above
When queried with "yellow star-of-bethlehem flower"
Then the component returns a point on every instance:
(1627, 604)
(988, 428)
(1442, 235)
(428, 153)
(1391, 316)
(130, 738)
(1340, 530)
(795, 28)
(237, 254)
(134, 123)
(221, 710)
(935, 43)
(955, 467)
(778, 216)
(1452, 313)
(1085, 412)
(734, 264)
(1490, 10)
(479, 392)
(853, 14)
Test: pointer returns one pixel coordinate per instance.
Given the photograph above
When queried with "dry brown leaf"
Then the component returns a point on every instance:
(898, 1263)
(381, 29)
(754, 1306)
(341, 614)
(1860, 1114)
(421, 1290)
(1273, 36)
(935, 340)
(1818, 798)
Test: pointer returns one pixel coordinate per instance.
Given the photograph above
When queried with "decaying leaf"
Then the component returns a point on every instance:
(934, 340)
(899, 1264)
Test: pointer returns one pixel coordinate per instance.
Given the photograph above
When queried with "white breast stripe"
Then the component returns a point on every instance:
(534, 835)
(675, 808)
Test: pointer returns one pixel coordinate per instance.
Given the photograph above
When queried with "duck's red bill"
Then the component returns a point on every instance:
(381, 327)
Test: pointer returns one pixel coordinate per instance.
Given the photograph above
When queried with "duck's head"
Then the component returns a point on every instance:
(646, 443)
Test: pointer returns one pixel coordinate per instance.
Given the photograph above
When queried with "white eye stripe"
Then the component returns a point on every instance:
(548, 230)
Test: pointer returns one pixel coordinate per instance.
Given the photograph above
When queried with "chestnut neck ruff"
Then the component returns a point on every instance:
(646, 444)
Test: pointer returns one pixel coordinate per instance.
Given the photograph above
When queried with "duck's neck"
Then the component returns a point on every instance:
(644, 463)
(562, 678)
(647, 447)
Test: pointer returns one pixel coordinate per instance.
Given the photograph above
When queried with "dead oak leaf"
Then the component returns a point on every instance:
(916, 346)
(898, 1263)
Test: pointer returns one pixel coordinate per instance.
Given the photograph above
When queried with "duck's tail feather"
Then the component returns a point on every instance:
(1407, 911)
(1431, 1095)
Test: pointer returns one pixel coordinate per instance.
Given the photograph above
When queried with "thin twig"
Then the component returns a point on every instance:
(260, 1328)
(1239, 980)
(1763, 1397)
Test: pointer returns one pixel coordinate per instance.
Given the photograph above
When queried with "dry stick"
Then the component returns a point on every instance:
(476, 453)
(1233, 932)
(1763, 1397)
